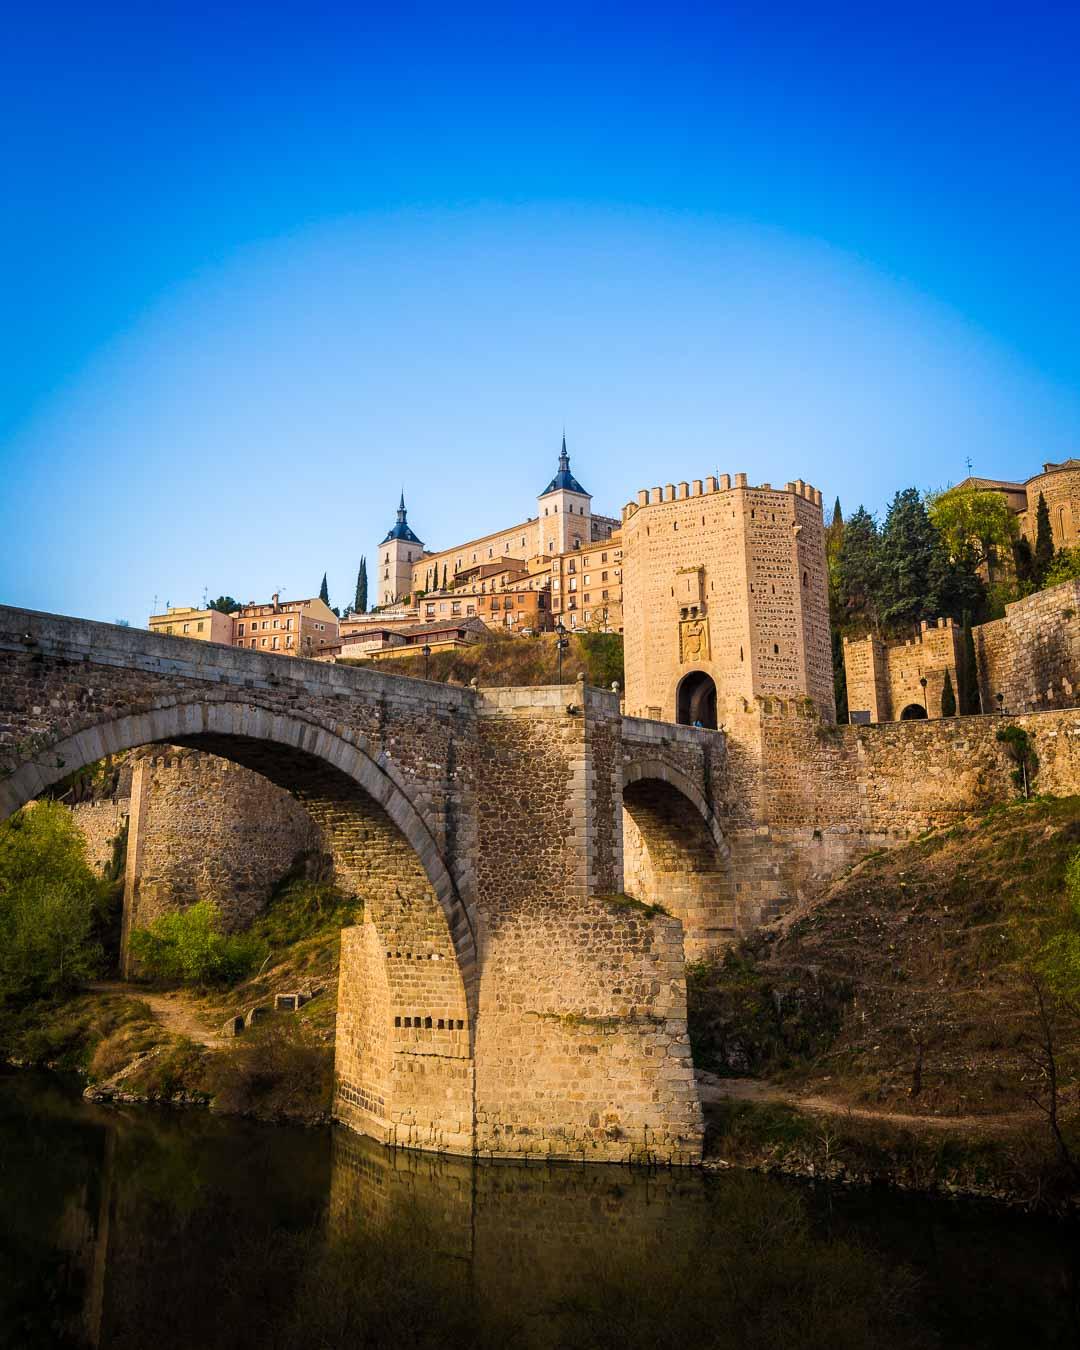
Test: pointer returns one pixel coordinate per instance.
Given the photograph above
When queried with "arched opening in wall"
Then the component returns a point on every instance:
(696, 701)
(672, 857)
(912, 712)
(406, 992)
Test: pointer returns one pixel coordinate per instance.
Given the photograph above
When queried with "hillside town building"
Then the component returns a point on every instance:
(290, 628)
(1059, 484)
(526, 576)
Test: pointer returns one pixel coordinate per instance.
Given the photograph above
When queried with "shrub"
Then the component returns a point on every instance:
(1021, 750)
(190, 945)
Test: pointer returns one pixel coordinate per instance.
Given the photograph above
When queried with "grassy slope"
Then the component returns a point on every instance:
(919, 946)
(501, 660)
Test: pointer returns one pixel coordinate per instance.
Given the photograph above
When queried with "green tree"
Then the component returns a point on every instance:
(858, 574)
(324, 592)
(1065, 566)
(1044, 542)
(978, 527)
(51, 905)
(948, 698)
(360, 600)
(225, 604)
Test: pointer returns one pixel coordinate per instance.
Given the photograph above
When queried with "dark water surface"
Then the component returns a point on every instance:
(150, 1228)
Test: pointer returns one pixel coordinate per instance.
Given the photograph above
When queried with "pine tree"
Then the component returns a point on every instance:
(969, 674)
(1044, 542)
(948, 698)
(324, 593)
(360, 600)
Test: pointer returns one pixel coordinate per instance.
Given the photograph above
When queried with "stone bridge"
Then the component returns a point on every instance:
(501, 996)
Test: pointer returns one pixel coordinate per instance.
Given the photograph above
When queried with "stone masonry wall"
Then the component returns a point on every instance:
(1032, 656)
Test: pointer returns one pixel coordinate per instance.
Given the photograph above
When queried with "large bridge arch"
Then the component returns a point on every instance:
(408, 983)
(675, 853)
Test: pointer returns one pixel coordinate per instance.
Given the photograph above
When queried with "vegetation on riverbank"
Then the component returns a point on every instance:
(938, 980)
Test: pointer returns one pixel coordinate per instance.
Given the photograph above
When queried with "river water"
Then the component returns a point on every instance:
(152, 1229)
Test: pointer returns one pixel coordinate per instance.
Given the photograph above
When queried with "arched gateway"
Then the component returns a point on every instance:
(493, 1000)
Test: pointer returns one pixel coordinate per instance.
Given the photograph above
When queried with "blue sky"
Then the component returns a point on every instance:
(262, 267)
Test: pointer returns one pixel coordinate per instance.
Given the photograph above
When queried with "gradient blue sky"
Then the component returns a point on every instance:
(264, 265)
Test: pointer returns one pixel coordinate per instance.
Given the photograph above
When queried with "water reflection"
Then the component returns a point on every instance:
(136, 1228)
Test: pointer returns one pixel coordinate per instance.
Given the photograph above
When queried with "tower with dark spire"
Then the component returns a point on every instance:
(397, 553)
(564, 510)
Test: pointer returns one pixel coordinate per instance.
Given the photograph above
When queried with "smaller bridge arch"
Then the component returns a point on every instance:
(675, 853)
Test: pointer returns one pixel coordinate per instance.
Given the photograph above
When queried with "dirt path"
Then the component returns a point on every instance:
(173, 1010)
(714, 1089)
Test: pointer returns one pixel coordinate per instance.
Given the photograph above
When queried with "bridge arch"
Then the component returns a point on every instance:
(675, 853)
(408, 983)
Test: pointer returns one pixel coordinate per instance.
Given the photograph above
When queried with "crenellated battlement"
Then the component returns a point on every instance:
(707, 487)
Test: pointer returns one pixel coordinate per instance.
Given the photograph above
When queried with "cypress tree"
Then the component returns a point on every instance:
(360, 601)
(858, 574)
(1024, 562)
(948, 698)
(1044, 542)
(444, 576)
(969, 674)
(324, 593)
(839, 677)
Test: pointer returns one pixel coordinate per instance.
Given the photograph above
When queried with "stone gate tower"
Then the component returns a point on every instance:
(397, 553)
(725, 596)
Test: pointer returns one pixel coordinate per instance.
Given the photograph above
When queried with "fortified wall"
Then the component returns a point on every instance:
(1031, 657)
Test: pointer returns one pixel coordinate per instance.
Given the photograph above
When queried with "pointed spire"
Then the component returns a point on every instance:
(401, 504)
(564, 458)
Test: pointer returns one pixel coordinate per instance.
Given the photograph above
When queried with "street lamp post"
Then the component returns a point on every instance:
(925, 705)
(561, 644)
(427, 658)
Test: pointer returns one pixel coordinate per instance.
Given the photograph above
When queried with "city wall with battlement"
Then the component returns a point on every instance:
(884, 679)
